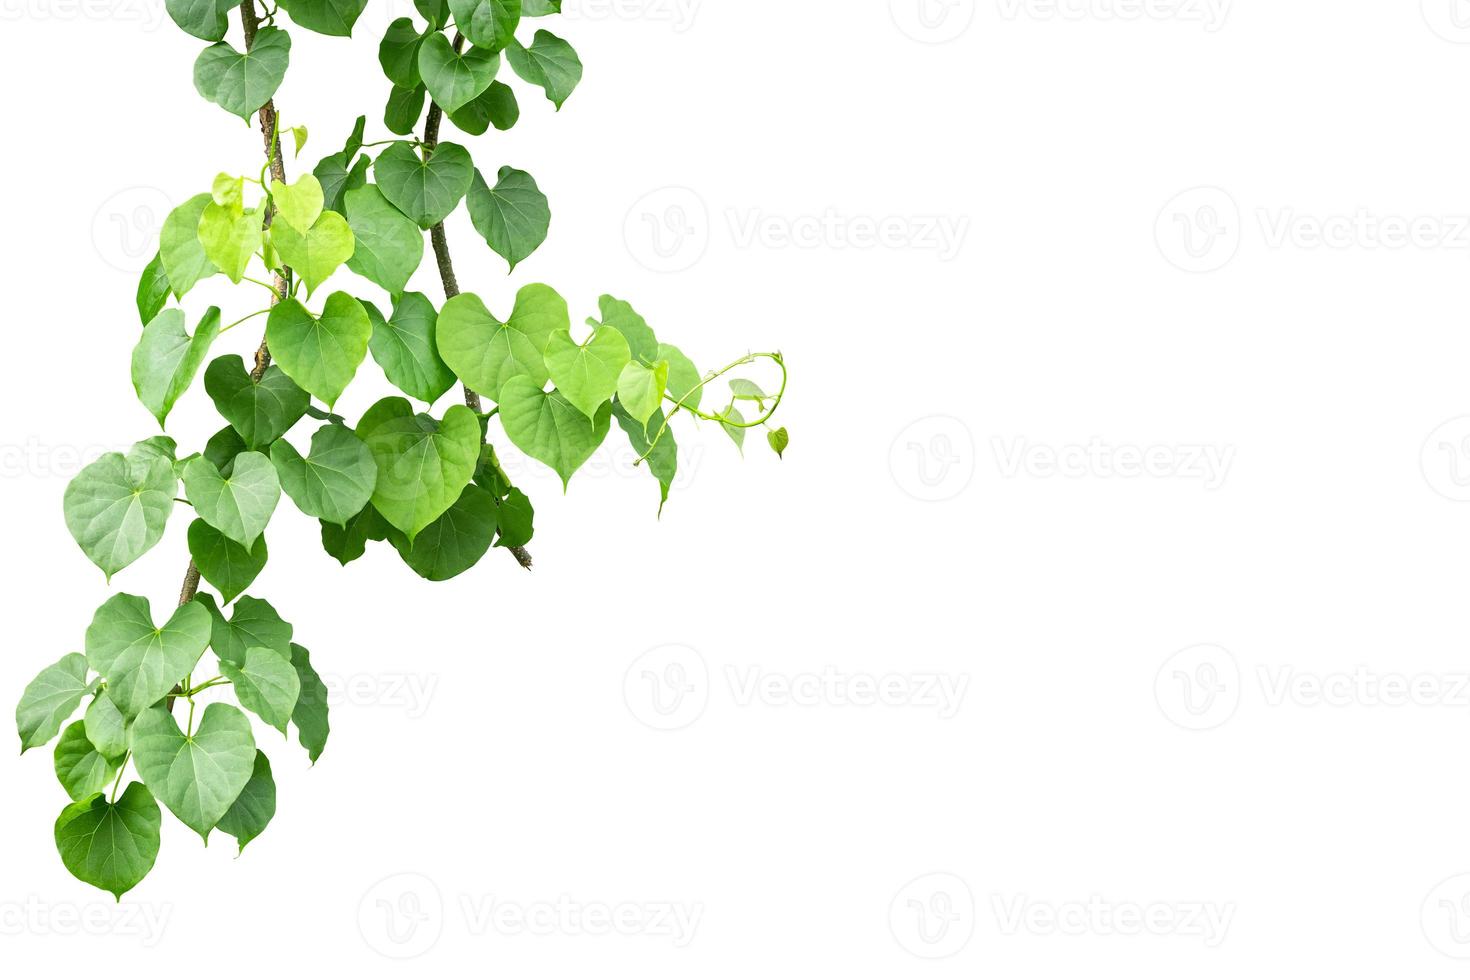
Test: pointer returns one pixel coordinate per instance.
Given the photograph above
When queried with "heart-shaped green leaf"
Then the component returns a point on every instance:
(513, 216)
(587, 374)
(255, 623)
(142, 662)
(111, 846)
(266, 684)
(349, 543)
(663, 459)
(641, 388)
(310, 716)
(230, 236)
(389, 245)
(318, 253)
(207, 20)
(167, 359)
(117, 508)
(106, 727)
(299, 204)
(495, 106)
(337, 178)
(238, 506)
(399, 53)
(321, 353)
(426, 191)
(225, 564)
(455, 78)
(456, 541)
(260, 412)
(50, 699)
(335, 482)
(80, 767)
(405, 108)
(550, 63)
(487, 23)
(184, 260)
(686, 386)
(486, 353)
(252, 811)
(197, 776)
(423, 464)
(517, 521)
(547, 427)
(242, 83)
(635, 330)
(406, 350)
(332, 17)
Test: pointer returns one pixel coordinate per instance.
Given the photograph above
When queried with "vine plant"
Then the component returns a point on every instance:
(429, 485)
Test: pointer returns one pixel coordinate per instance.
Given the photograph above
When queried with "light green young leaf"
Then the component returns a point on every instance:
(225, 564)
(242, 83)
(454, 78)
(779, 440)
(184, 260)
(550, 63)
(587, 374)
(117, 509)
(641, 389)
(106, 727)
(238, 506)
(140, 662)
(266, 684)
(423, 464)
(50, 699)
(549, 428)
(425, 191)
(732, 421)
(252, 811)
(635, 330)
(487, 23)
(260, 412)
(686, 386)
(299, 204)
(405, 348)
(197, 776)
(80, 767)
(389, 245)
(111, 846)
(299, 136)
(495, 106)
(513, 216)
(310, 716)
(320, 353)
(331, 17)
(335, 482)
(230, 237)
(318, 253)
(452, 545)
(486, 353)
(167, 359)
(255, 623)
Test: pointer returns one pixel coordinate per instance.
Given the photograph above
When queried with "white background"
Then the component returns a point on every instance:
(1180, 233)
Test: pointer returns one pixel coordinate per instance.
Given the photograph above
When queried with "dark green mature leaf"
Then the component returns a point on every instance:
(513, 216)
(405, 106)
(255, 623)
(423, 464)
(117, 508)
(332, 17)
(456, 541)
(260, 412)
(111, 846)
(337, 178)
(496, 106)
(222, 448)
(547, 427)
(265, 683)
(517, 520)
(225, 564)
(436, 12)
(167, 359)
(405, 348)
(239, 506)
(252, 811)
(390, 246)
(425, 191)
(540, 8)
(335, 481)
(399, 53)
(182, 254)
(50, 699)
(486, 353)
(140, 662)
(320, 353)
(550, 63)
(242, 83)
(106, 727)
(587, 374)
(454, 78)
(197, 776)
(207, 20)
(153, 290)
(487, 23)
(80, 767)
(349, 543)
(310, 716)
(663, 462)
(635, 330)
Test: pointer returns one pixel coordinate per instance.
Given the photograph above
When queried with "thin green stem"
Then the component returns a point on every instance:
(120, 770)
(190, 731)
(245, 319)
(679, 403)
